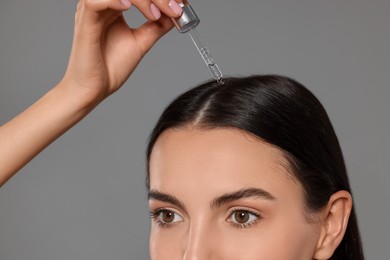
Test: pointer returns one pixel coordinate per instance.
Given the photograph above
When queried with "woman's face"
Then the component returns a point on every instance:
(223, 194)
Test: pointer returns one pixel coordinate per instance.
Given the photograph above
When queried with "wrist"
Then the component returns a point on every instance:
(78, 97)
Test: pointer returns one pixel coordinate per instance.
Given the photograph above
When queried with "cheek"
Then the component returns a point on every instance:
(271, 241)
(166, 243)
(287, 238)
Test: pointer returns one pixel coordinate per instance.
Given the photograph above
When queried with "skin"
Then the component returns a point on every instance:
(105, 52)
(196, 167)
(208, 180)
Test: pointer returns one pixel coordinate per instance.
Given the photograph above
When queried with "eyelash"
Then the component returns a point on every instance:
(243, 225)
(156, 216)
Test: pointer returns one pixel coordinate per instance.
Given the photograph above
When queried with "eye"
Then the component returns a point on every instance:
(243, 218)
(165, 217)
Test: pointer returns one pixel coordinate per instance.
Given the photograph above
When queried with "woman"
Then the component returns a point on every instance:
(251, 169)
(248, 170)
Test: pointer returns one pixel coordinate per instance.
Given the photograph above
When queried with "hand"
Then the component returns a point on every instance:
(106, 50)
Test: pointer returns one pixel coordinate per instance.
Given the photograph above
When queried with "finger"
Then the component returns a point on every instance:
(91, 11)
(93, 15)
(150, 32)
(148, 9)
(152, 9)
(102, 5)
(169, 7)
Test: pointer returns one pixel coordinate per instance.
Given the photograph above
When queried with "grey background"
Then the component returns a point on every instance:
(84, 197)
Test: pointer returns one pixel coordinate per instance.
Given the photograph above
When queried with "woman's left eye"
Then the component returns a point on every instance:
(243, 218)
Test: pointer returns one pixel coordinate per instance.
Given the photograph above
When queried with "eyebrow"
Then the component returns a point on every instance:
(241, 194)
(165, 197)
(217, 202)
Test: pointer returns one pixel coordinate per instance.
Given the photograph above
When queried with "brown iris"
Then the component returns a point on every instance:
(241, 216)
(167, 216)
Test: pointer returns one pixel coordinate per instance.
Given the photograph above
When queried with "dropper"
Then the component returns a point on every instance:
(188, 22)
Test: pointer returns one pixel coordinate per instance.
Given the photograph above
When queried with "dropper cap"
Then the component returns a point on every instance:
(188, 20)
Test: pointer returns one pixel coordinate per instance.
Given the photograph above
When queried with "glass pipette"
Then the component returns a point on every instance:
(205, 53)
(188, 22)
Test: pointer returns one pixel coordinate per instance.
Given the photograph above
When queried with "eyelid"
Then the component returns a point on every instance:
(156, 216)
(162, 204)
(255, 217)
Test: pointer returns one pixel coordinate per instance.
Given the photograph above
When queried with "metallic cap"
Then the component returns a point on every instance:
(188, 20)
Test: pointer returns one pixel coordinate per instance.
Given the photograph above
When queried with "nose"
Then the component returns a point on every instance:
(199, 243)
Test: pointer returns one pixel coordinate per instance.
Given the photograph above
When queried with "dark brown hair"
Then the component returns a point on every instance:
(281, 112)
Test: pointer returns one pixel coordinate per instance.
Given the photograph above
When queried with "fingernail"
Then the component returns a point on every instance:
(155, 11)
(175, 7)
(126, 3)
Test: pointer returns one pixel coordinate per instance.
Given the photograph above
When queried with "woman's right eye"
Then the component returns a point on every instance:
(165, 217)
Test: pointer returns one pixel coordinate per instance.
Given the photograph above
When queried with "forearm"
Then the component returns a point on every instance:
(105, 52)
(22, 138)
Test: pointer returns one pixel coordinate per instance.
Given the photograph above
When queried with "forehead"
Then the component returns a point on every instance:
(216, 160)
